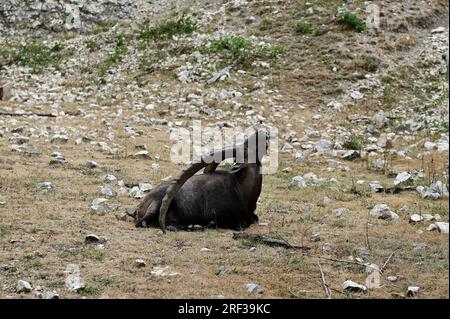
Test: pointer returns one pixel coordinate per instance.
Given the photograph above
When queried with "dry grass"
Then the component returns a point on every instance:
(49, 229)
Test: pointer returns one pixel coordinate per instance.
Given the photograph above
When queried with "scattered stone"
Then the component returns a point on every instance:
(323, 146)
(315, 237)
(139, 263)
(253, 288)
(356, 95)
(109, 178)
(145, 187)
(415, 218)
(438, 30)
(74, 282)
(420, 246)
(403, 180)
(100, 206)
(163, 271)
(92, 238)
(59, 138)
(363, 251)
(340, 211)
(326, 247)
(23, 286)
(136, 192)
(441, 226)
(107, 190)
(141, 154)
(353, 286)
(380, 119)
(49, 295)
(351, 155)
(382, 211)
(412, 291)
(45, 186)
(91, 164)
(376, 187)
(392, 278)
(298, 181)
(18, 139)
(58, 160)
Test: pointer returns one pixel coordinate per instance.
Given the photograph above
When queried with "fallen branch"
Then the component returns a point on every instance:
(387, 262)
(325, 285)
(342, 261)
(267, 240)
(27, 114)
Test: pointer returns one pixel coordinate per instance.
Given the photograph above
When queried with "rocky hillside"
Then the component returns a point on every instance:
(357, 90)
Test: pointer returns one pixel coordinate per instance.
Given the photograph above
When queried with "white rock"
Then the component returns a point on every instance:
(107, 190)
(438, 30)
(163, 271)
(356, 95)
(253, 288)
(415, 218)
(382, 211)
(353, 286)
(392, 278)
(109, 178)
(403, 179)
(442, 146)
(145, 187)
(351, 155)
(413, 291)
(93, 238)
(100, 206)
(74, 282)
(429, 145)
(323, 146)
(91, 164)
(23, 286)
(376, 187)
(59, 138)
(442, 226)
(139, 263)
(141, 154)
(440, 188)
(298, 181)
(45, 185)
(135, 192)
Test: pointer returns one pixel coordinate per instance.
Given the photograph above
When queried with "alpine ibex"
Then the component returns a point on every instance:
(224, 198)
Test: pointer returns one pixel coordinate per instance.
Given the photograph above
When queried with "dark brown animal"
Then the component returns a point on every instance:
(224, 199)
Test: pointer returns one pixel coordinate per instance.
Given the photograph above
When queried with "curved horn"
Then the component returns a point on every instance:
(177, 183)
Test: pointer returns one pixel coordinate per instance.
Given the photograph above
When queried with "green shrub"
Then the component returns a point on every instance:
(351, 20)
(354, 142)
(37, 55)
(304, 28)
(166, 29)
(240, 50)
